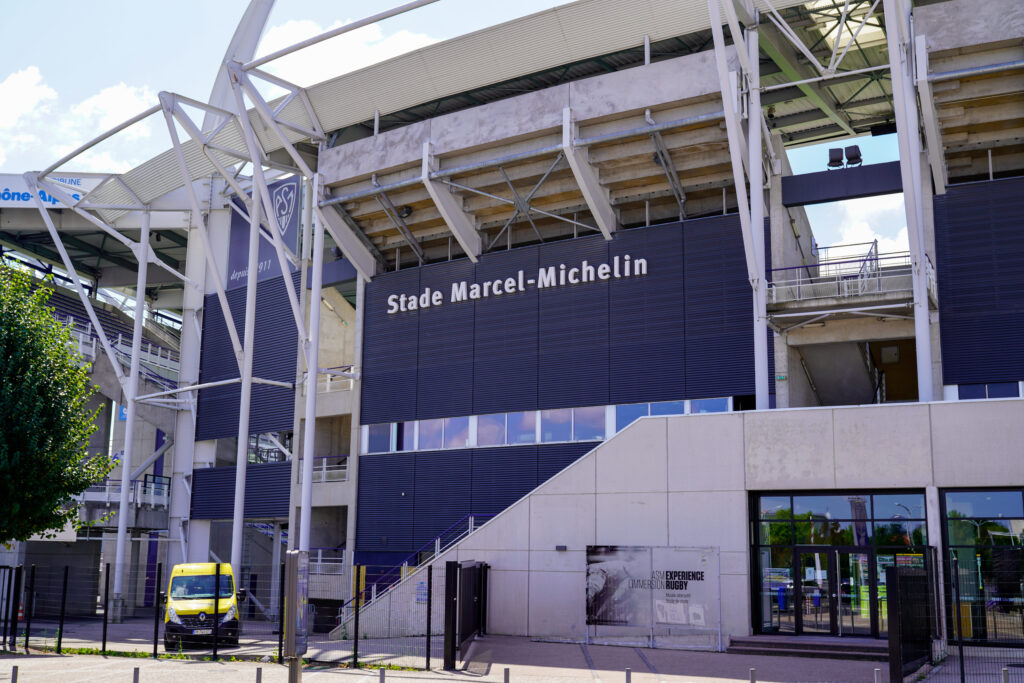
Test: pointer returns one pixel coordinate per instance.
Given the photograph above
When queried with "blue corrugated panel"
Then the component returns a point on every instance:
(845, 183)
(445, 362)
(719, 309)
(573, 329)
(980, 252)
(213, 493)
(387, 497)
(274, 357)
(505, 337)
(501, 476)
(442, 492)
(266, 491)
(390, 356)
(647, 323)
(553, 459)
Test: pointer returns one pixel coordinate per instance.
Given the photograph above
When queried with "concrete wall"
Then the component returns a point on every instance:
(683, 481)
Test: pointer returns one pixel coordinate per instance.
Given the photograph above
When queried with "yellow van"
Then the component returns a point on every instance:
(190, 609)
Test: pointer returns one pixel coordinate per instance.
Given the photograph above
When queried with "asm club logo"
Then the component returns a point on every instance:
(285, 198)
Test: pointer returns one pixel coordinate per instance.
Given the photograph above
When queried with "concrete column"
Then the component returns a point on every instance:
(933, 511)
(782, 370)
(356, 432)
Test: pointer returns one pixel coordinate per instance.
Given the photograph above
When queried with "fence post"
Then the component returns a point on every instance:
(216, 609)
(30, 600)
(958, 614)
(63, 606)
(451, 589)
(157, 602)
(355, 620)
(4, 599)
(106, 603)
(15, 607)
(430, 603)
(280, 618)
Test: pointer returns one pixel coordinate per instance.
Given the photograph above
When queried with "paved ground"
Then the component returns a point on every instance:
(527, 661)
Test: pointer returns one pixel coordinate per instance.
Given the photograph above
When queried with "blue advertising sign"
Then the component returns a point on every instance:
(285, 197)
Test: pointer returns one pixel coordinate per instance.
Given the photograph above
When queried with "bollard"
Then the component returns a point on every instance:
(106, 603)
(382, 674)
(629, 675)
(30, 605)
(135, 675)
(259, 674)
(157, 612)
(1006, 675)
(507, 678)
(216, 609)
(878, 676)
(14, 674)
(753, 675)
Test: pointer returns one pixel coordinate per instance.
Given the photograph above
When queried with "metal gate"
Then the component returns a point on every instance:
(465, 607)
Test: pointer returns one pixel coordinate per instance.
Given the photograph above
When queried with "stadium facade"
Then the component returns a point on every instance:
(564, 301)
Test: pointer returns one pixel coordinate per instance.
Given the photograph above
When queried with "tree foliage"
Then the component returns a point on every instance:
(44, 419)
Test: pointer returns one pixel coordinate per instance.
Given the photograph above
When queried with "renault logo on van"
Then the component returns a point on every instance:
(284, 205)
(202, 616)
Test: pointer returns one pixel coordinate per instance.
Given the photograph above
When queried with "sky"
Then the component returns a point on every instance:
(70, 70)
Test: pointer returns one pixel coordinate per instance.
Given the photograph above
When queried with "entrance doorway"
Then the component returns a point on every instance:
(821, 559)
(837, 592)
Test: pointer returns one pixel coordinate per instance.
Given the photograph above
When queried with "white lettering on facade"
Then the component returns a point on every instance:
(561, 275)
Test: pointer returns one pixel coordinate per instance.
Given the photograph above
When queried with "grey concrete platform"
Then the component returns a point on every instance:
(487, 658)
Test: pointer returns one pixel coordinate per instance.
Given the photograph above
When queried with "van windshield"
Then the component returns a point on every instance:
(198, 587)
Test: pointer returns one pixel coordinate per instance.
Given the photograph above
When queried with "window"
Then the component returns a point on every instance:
(430, 435)
(626, 415)
(406, 438)
(522, 427)
(556, 425)
(832, 507)
(995, 390)
(490, 430)
(588, 423)
(669, 408)
(456, 432)
(984, 504)
(709, 405)
(905, 506)
(379, 438)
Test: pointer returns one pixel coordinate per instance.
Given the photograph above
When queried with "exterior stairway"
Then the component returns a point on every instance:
(823, 647)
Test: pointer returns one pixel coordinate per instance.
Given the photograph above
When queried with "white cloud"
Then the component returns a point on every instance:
(341, 54)
(862, 220)
(23, 95)
(38, 128)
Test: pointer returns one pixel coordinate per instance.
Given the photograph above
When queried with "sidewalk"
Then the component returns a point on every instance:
(528, 662)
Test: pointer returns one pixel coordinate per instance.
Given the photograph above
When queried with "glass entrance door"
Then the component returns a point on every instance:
(836, 592)
(856, 601)
(816, 588)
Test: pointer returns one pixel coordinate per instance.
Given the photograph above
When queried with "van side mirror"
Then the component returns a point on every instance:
(242, 594)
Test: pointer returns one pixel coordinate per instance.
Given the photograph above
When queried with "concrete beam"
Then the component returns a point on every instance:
(930, 118)
(596, 197)
(463, 226)
(355, 251)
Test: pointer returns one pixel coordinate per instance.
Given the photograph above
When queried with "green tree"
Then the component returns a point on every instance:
(44, 419)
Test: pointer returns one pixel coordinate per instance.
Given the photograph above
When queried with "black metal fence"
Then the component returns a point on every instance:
(984, 614)
(74, 609)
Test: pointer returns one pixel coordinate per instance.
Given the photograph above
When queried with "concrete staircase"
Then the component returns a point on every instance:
(820, 647)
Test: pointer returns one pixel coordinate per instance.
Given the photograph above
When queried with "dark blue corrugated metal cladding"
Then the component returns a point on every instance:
(266, 491)
(979, 240)
(445, 360)
(572, 366)
(389, 373)
(646, 325)
(682, 331)
(274, 357)
(505, 353)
